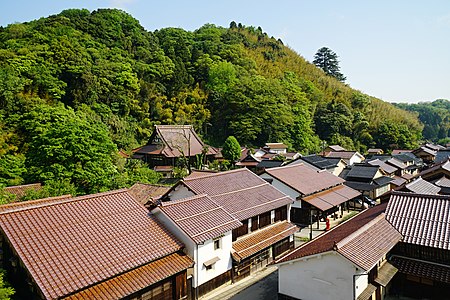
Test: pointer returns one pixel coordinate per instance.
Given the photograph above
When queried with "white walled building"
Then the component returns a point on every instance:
(347, 262)
(205, 229)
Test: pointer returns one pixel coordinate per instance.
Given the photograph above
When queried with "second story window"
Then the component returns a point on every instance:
(217, 244)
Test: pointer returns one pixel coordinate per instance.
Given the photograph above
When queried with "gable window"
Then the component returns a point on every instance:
(216, 244)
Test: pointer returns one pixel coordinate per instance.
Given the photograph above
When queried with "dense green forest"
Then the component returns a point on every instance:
(78, 86)
(435, 116)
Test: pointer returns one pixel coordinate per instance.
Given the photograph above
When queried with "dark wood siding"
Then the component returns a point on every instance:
(240, 231)
(255, 224)
(264, 219)
(281, 214)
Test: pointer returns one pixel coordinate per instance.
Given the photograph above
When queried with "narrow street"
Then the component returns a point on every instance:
(265, 289)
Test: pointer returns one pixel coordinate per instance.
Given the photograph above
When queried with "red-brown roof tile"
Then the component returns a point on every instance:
(331, 197)
(256, 241)
(342, 154)
(137, 279)
(326, 241)
(366, 246)
(240, 192)
(303, 179)
(422, 269)
(68, 245)
(421, 219)
(200, 217)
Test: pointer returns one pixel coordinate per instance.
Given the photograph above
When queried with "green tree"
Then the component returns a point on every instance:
(231, 149)
(5, 291)
(327, 60)
(69, 146)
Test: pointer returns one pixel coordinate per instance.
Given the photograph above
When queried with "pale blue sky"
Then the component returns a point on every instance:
(396, 50)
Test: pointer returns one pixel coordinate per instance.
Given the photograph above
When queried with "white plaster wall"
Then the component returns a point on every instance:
(328, 276)
(355, 159)
(180, 192)
(284, 189)
(207, 252)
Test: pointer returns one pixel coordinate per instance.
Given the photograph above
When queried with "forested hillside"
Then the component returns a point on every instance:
(78, 86)
(435, 116)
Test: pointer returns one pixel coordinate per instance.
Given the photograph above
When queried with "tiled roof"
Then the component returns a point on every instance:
(20, 190)
(442, 155)
(361, 186)
(70, 244)
(326, 241)
(398, 181)
(400, 151)
(367, 293)
(19, 206)
(383, 180)
(397, 163)
(332, 197)
(276, 146)
(444, 166)
(426, 150)
(384, 166)
(175, 140)
(321, 162)
(422, 269)
(136, 279)
(303, 179)
(256, 241)
(269, 163)
(240, 192)
(420, 186)
(200, 217)
(421, 219)
(366, 246)
(362, 171)
(375, 150)
(146, 193)
(342, 154)
(223, 182)
(434, 147)
(197, 173)
(386, 273)
(442, 182)
(337, 148)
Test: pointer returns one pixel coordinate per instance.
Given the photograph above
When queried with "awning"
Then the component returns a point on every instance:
(332, 197)
(422, 269)
(211, 261)
(261, 239)
(385, 274)
(367, 293)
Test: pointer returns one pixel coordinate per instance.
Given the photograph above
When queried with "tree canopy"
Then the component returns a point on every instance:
(231, 149)
(327, 60)
(78, 86)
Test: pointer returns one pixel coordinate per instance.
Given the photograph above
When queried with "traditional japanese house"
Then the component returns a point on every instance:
(17, 192)
(169, 143)
(318, 193)
(349, 157)
(265, 233)
(369, 179)
(206, 229)
(100, 246)
(423, 256)
(347, 262)
(148, 194)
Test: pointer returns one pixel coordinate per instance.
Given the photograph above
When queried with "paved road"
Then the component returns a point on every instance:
(265, 289)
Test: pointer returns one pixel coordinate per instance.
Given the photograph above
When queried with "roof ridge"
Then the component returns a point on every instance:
(57, 200)
(182, 200)
(215, 227)
(415, 195)
(23, 185)
(359, 231)
(216, 174)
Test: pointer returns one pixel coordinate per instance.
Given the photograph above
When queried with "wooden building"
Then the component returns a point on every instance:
(169, 143)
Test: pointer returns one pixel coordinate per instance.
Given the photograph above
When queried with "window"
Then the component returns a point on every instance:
(216, 244)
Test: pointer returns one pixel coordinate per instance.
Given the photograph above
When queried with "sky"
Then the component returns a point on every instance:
(395, 50)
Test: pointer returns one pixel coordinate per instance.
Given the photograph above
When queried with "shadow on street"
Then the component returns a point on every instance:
(265, 289)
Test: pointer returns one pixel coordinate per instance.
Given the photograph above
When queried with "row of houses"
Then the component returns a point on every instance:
(400, 248)
(155, 242)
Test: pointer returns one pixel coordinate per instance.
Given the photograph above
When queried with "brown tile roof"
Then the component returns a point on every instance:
(69, 245)
(147, 193)
(422, 269)
(136, 279)
(342, 154)
(337, 148)
(400, 151)
(442, 166)
(200, 217)
(421, 219)
(303, 179)
(331, 197)
(398, 181)
(326, 242)
(276, 146)
(240, 192)
(366, 246)
(197, 173)
(261, 239)
(19, 206)
(21, 190)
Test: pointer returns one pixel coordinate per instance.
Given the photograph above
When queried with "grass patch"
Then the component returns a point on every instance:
(350, 215)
